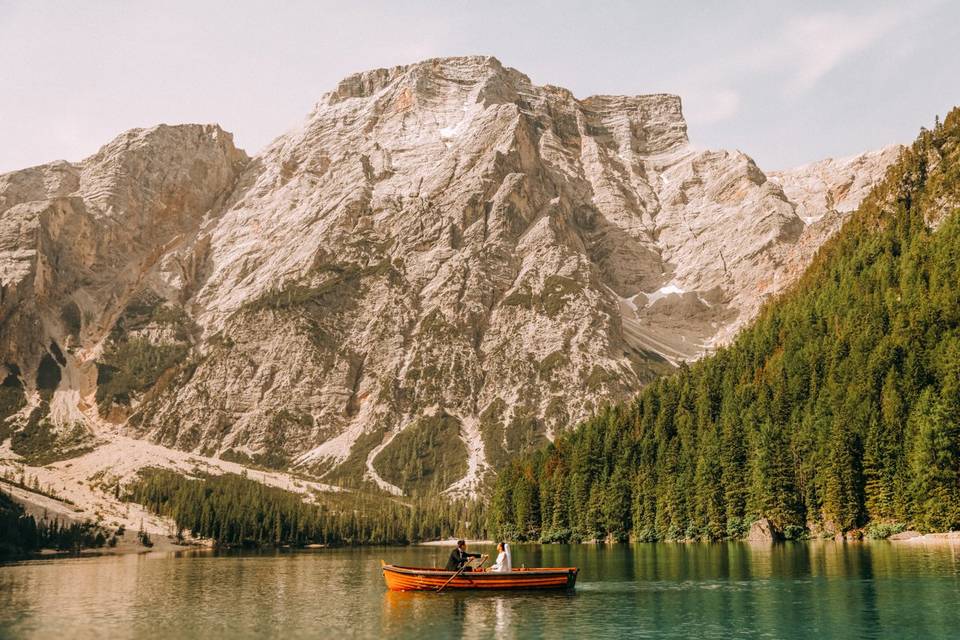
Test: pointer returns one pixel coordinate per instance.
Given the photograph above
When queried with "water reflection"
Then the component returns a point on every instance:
(472, 616)
(646, 590)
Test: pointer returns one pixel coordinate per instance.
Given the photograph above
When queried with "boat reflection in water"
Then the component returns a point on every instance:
(466, 615)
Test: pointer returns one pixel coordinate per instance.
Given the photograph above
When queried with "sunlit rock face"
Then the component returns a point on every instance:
(445, 264)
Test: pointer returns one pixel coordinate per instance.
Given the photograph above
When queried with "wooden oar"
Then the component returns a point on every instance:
(459, 571)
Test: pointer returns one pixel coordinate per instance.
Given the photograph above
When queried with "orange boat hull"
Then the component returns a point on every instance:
(423, 579)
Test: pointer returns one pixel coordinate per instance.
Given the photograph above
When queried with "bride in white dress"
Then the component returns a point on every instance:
(504, 563)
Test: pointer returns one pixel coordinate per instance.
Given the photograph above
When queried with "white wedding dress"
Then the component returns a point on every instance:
(504, 562)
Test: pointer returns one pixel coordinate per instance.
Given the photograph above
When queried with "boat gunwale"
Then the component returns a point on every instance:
(513, 574)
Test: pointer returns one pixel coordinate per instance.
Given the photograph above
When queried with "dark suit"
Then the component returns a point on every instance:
(458, 558)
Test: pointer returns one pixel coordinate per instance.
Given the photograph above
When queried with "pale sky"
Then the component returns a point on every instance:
(787, 83)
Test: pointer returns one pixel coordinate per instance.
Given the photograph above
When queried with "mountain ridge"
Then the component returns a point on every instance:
(440, 248)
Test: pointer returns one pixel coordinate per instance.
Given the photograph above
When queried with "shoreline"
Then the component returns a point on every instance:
(166, 546)
(915, 537)
(448, 542)
(122, 549)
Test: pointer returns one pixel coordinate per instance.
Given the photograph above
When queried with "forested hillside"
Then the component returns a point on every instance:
(236, 511)
(837, 410)
(21, 534)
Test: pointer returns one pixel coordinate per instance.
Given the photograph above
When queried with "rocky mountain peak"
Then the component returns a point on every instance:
(427, 77)
(445, 265)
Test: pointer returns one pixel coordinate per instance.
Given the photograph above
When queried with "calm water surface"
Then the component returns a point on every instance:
(817, 590)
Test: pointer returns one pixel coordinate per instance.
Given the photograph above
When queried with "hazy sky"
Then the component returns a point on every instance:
(785, 82)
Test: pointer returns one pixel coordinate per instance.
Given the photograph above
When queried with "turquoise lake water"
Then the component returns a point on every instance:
(801, 590)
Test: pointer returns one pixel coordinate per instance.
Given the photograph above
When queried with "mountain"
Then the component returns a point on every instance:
(444, 266)
(836, 413)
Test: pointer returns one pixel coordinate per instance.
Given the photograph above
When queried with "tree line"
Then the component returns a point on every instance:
(237, 511)
(837, 410)
(21, 534)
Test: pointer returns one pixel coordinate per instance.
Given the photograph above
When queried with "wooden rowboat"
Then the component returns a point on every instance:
(429, 579)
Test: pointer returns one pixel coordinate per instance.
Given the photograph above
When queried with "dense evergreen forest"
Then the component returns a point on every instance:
(21, 534)
(838, 410)
(237, 511)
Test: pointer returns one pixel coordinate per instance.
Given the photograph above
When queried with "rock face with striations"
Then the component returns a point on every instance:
(77, 243)
(444, 265)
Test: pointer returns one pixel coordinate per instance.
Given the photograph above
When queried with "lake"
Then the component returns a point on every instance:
(734, 590)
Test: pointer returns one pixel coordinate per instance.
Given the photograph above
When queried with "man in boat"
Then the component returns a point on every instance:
(459, 556)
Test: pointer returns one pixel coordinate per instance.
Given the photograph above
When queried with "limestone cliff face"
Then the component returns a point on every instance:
(833, 185)
(78, 240)
(444, 265)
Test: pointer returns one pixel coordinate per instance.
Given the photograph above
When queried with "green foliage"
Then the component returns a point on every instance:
(42, 446)
(144, 538)
(351, 472)
(131, 367)
(40, 443)
(491, 430)
(882, 530)
(234, 510)
(232, 455)
(132, 362)
(426, 457)
(598, 378)
(31, 484)
(147, 309)
(504, 439)
(318, 301)
(34, 440)
(557, 292)
(21, 534)
(793, 532)
(338, 280)
(556, 360)
(838, 407)
(273, 455)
